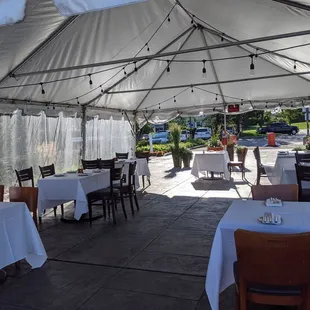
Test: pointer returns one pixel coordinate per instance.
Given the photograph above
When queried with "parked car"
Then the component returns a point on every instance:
(161, 137)
(279, 128)
(203, 133)
(185, 134)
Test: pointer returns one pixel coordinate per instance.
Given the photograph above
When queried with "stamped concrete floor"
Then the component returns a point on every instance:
(156, 259)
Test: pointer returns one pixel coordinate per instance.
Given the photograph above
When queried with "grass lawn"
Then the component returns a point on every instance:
(302, 125)
(250, 132)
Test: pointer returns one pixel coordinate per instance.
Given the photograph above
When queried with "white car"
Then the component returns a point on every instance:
(185, 134)
(203, 133)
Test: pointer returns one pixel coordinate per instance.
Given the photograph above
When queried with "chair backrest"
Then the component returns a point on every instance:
(302, 157)
(121, 155)
(90, 164)
(25, 175)
(106, 163)
(257, 156)
(1, 192)
(272, 259)
(302, 174)
(29, 195)
(116, 174)
(132, 173)
(47, 171)
(143, 155)
(285, 192)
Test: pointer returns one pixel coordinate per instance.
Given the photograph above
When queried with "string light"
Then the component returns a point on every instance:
(174, 100)
(77, 100)
(168, 67)
(192, 89)
(53, 107)
(295, 65)
(169, 20)
(42, 91)
(216, 97)
(256, 54)
(241, 101)
(214, 109)
(222, 37)
(124, 69)
(91, 85)
(204, 70)
(146, 110)
(159, 106)
(266, 106)
(102, 92)
(192, 21)
(252, 67)
(136, 69)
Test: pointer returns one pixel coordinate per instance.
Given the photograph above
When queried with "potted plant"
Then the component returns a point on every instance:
(241, 152)
(214, 143)
(230, 146)
(187, 156)
(175, 134)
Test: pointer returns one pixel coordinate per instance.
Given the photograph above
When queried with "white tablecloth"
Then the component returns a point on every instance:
(54, 191)
(244, 214)
(142, 168)
(211, 161)
(19, 237)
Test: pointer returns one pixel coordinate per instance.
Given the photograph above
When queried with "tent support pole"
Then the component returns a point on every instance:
(172, 53)
(211, 83)
(294, 4)
(163, 72)
(225, 120)
(83, 132)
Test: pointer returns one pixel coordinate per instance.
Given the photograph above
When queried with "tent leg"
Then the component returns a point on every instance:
(83, 132)
(225, 118)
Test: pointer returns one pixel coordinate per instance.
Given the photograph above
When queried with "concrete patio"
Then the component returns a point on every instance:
(157, 259)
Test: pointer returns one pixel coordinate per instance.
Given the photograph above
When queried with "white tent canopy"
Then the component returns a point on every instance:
(59, 55)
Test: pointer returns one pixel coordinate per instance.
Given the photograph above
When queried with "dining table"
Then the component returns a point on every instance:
(211, 161)
(61, 188)
(244, 214)
(19, 237)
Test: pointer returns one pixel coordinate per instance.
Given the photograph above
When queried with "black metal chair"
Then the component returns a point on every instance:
(106, 163)
(303, 175)
(109, 196)
(145, 155)
(129, 190)
(25, 175)
(122, 155)
(260, 168)
(47, 171)
(90, 164)
(302, 157)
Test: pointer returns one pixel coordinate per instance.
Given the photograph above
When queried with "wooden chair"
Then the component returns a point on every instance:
(90, 164)
(24, 176)
(272, 269)
(129, 190)
(109, 196)
(260, 168)
(302, 157)
(285, 192)
(303, 175)
(1, 192)
(239, 164)
(145, 155)
(106, 163)
(29, 195)
(122, 155)
(47, 171)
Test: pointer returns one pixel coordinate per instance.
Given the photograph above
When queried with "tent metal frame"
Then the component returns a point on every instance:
(294, 4)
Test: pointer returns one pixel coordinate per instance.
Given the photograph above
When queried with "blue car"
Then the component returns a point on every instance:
(160, 138)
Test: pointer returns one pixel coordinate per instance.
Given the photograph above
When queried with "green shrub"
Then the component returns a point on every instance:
(142, 143)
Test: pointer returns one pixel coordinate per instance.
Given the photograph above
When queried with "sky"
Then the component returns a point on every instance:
(11, 11)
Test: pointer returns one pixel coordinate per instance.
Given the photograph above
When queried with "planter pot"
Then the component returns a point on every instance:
(242, 155)
(186, 162)
(177, 161)
(230, 151)
(211, 148)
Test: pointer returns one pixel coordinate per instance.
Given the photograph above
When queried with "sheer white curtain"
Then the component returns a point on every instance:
(105, 137)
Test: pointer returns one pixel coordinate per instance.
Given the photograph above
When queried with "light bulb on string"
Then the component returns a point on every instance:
(101, 90)
(266, 106)
(192, 89)
(204, 70)
(42, 91)
(124, 69)
(168, 67)
(241, 101)
(214, 109)
(256, 54)
(146, 110)
(174, 100)
(159, 106)
(216, 97)
(147, 47)
(192, 21)
(91, 85)
(252, 67)
(222, 38)
(295, 65)
(77, 100)
(136, 69)
(169, 19)
(53, 107)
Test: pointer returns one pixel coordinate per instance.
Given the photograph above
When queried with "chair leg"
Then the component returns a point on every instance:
(131, 201)
(90, 213)
(55, 211)
(123, 207)
(104, 209)
(143, 181)
(62, 209)
(258, 179)
(149, 181)
(113, 203)
(136, 199)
